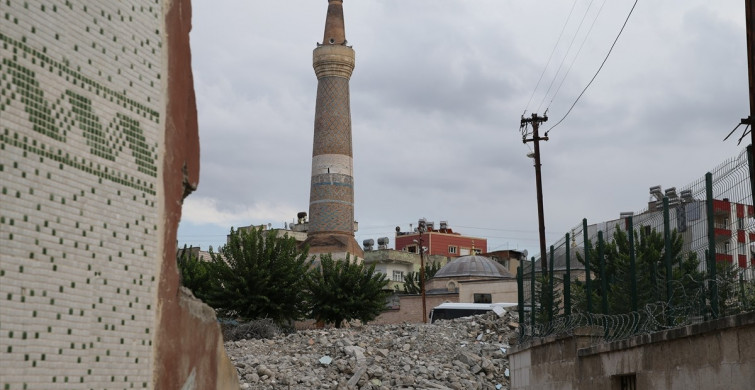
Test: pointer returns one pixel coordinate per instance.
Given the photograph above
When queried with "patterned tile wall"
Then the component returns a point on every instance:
(331, 199)
(80, 128)
(332, 117)
(331, 203)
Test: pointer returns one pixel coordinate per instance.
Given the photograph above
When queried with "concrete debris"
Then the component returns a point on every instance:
(465, 353)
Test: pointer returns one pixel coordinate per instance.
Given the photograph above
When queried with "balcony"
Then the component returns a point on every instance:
(722, 234)
(722, 257)
(721, 208)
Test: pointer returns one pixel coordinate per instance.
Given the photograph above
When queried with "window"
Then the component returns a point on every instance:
(477, 251)
(411, 249)
(398, 276)
(626, 382)
(452, 250)
(483, 298)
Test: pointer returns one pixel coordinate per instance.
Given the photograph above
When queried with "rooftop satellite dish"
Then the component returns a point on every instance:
(525, 253)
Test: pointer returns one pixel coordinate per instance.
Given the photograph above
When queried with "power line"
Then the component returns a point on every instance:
(568, 49)
(502, 230)
(550, 57)
(581, 46)
(598, 71)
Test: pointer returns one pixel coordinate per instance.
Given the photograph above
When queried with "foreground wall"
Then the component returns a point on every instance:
(98, 146)
(715, 355)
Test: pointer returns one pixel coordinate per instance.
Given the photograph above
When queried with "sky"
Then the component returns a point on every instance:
(437, 95)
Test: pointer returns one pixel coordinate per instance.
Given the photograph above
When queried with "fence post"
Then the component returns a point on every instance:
(520, 298)
(552, 297)
(751, 165)
(586, 249)
(532, 297)
(603, 281)
(567, 279)
(632, 263)
(713, 285)
(667, 254)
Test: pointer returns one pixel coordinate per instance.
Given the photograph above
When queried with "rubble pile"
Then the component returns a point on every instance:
(464, 353)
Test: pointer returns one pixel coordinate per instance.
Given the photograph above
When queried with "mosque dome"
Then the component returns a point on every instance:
(475, 266)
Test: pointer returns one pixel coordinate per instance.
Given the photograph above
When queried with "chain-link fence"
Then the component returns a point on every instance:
(688, 257)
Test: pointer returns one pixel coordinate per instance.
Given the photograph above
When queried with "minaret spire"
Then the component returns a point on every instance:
(331, 200)
(335, 33)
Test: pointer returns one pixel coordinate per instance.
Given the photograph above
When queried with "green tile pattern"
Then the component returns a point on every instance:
(80, 132)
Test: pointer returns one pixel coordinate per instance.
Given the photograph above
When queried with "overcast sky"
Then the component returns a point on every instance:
(437, 96)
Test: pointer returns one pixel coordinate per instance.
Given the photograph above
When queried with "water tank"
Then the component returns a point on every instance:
(383, 241)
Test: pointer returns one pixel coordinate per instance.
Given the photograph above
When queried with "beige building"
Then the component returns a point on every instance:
(397, 264)
(466, 279)
(476, 279)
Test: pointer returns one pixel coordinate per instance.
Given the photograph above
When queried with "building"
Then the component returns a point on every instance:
(331, 200)
(477, 279)
(508, 258)
(397, 264)
(194, 251)
(298, 235)
(465, 279)
(732, 221)
(442, 241)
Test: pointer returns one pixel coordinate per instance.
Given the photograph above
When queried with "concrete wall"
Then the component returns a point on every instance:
(500, 290)
(715, 355)
(98, 147)
(411, 308)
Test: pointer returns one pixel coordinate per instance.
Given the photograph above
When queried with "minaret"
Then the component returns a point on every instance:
(331, 199)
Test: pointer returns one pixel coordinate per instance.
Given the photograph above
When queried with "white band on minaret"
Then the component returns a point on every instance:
(332, 163)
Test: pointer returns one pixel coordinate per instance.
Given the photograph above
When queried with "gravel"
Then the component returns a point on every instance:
(464, 353)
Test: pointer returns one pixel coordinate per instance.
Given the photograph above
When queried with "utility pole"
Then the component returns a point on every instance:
(749, 20)
(535, 122)
(750, 120)
(421, 226)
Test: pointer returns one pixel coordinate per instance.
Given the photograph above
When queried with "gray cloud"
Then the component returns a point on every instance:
(437, 94)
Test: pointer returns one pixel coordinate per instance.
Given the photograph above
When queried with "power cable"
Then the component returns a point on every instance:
(599, 69)
(550, 57)
(581, 46)
(568, 49)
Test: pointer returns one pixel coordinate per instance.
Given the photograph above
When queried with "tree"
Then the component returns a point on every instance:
(259, 275)
(411, 280)
(344, 290)
(650, 272)
(193, 273)
(550, 301)
(729, 293)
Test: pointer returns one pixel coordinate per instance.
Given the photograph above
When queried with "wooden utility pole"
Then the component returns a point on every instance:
(750, 31)
(421, 228)
(535, 121)
(749, 20)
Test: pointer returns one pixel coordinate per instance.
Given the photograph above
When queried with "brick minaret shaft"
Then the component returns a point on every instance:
(331, 201)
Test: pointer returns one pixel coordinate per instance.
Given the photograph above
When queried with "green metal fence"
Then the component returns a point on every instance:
(688, 257)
